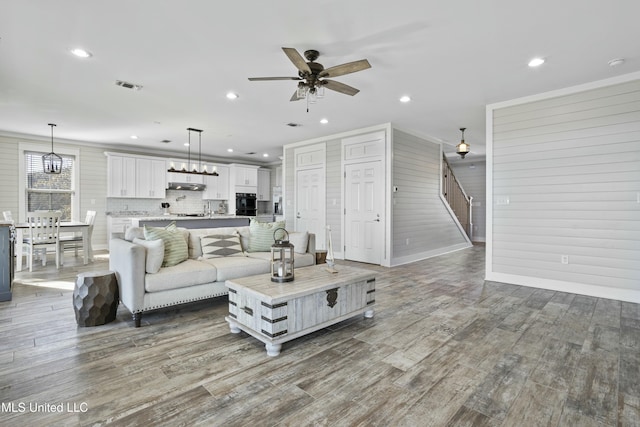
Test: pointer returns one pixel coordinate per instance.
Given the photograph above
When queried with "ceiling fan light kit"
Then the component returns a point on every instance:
(312, 76)
(194, 168)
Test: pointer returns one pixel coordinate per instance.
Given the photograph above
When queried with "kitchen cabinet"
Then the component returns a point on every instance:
(117, 227)
(217, 186)
(246, 176)
(151, 178)
(264, 185)
(121, 176)
(279, 176)
(185, 177)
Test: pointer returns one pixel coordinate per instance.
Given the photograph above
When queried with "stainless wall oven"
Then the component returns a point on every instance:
(246, 204)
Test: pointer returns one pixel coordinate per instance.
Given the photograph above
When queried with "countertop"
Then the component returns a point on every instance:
(150, 217)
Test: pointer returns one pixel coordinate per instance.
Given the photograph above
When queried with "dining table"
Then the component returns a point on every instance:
(22, 228)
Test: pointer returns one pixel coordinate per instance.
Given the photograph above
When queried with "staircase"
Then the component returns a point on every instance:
(457, 199)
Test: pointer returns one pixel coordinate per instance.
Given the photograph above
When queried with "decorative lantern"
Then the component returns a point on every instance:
(281, 258)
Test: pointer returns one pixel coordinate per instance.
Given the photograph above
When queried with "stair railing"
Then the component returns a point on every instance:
(456, 197)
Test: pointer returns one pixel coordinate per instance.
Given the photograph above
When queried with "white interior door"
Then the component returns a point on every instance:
(310, 203)
(364, 210)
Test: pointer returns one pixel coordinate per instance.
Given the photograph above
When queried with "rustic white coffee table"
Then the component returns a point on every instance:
(276, 313)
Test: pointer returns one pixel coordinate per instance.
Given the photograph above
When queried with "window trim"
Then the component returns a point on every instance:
(25, 147)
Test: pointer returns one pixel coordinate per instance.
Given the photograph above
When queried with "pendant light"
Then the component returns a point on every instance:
(463, 148)
(52, 163)
(194, 169)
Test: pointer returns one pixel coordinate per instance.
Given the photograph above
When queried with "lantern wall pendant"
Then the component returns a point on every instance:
(463, 148)
(282, 258)
(52, 163)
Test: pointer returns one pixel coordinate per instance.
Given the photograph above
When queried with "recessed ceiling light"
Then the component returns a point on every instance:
(616, 62)
(405, 98)
(536, 62)
(324, 121)
(81, 53)
(230, 150)
(265, 155)
(134, 136)
(232, 95)
(186, 144)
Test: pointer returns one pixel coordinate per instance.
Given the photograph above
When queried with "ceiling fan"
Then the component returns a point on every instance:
(312, 75)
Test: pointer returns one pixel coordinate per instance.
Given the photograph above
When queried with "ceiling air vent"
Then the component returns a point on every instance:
(128, 85)
(166, 141)
(251, 153)
(294, 125)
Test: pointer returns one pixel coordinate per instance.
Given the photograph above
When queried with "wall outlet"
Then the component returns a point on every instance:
(502, 200)
(564, 259)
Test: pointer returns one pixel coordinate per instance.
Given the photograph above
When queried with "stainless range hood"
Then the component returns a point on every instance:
(186, 186)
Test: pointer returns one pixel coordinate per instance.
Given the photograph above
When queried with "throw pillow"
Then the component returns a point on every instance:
(133, 233)
(262, 235)
(219, 245)
(175, 247)
(300, 241)
(155, 253)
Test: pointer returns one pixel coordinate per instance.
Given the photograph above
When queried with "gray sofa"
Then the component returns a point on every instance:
(196, 278)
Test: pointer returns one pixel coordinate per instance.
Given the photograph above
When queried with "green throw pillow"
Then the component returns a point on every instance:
(261, 235)
(175, 247)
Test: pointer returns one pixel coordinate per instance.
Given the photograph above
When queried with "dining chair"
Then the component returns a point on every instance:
(44, 231)
(42, 252)
(75, 241)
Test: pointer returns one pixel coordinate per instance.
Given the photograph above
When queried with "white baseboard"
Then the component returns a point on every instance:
(620, 294)
(428, 254)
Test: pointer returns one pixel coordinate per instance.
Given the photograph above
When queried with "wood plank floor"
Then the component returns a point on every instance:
(445, 348)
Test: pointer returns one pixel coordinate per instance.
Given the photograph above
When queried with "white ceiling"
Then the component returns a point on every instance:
(451, 57)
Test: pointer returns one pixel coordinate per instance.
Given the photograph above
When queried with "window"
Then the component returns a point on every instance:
(49, 191)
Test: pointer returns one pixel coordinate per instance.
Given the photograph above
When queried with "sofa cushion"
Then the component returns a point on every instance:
(175, 246)
(261, 235)
(187, 273)
(300, 241)
(234, 267)
(217, 245)
(299, 260)
(155, 253)
(195, 234)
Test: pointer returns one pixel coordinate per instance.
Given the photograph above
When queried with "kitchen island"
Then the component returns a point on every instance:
(213, 221)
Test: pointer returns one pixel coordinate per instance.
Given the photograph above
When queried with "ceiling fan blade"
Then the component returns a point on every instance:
(260, 79)
(340, 87)
(297, 59)
(348, 68)
(295, 97)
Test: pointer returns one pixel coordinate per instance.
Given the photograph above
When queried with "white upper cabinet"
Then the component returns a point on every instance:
(185, 177)
(151, 176)
(217, 187)
(264, 185)
(121, 180)
(247, 176)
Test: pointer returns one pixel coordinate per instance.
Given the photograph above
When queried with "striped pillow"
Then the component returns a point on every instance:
(175, 247)
(261, 235)
(217, 246)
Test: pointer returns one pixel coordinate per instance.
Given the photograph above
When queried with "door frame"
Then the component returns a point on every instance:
(382, 154)
(311, 157)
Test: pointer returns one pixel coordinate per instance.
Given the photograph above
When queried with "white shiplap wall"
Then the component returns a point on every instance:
(472, 177)
(92, 191)
(422, 226)
(564, 180)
